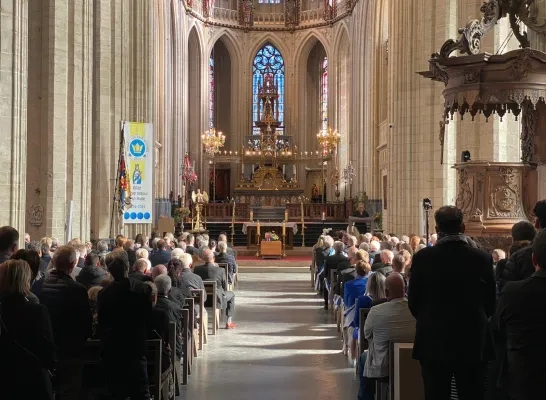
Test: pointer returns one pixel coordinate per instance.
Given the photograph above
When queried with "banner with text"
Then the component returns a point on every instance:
(139, 150)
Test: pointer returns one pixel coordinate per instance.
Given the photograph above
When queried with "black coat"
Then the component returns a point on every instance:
(23, 376)
(131, 255)
(160, 257)
(174, 313)
(68, 306)
(191, 250)
(44, 262)
(211, 272)
(91, 275)
(520, 319)
(451, 294)
(124, 310)
(343, 277)
(139, 276)
(178, 296)
(336, 262)
(519, 266)
(385, 269)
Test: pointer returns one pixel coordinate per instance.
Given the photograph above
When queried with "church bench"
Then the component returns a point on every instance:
(199, 298)
(210, 289)
(185, 370)
(94, 379)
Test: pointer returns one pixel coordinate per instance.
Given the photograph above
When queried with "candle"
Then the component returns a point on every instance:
(323, 216)
(258, 228)
(286, 215)
(251, 215)
(283, 228)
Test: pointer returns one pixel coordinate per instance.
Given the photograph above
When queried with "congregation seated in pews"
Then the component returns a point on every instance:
(439, 318)
(84, 320)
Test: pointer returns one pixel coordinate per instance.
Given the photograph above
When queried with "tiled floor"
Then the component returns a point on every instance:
(285, 347)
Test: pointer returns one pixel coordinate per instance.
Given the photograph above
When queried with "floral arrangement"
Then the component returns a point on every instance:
(272, 236)
(180, 213)
(325, 231)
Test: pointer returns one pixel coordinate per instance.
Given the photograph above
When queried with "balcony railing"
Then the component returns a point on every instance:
(269, 18)
(312, 212)
(312, 15)
(224, 14)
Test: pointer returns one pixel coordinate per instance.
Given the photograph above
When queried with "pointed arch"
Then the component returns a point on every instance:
(306, 45)
(195, 96)
(273, 40)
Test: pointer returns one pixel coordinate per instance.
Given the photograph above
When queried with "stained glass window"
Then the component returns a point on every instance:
(212, 90)
(324, 94)
(268, 57)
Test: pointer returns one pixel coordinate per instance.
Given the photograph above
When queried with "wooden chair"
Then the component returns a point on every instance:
(91, 359)
(199, 297)
(362, 342)
(172, 345)
(313, 269)
(186, 351)
(226, 270)
(405, 379)
(332, 278)
(210, 289)
(190, 305)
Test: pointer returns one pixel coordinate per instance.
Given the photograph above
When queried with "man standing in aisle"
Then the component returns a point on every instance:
(452, 333)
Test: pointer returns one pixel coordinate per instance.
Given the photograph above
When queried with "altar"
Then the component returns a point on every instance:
(250, 229)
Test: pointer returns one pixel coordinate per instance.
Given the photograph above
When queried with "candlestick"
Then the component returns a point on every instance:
(258, 228)
(323, 216)
(286, 215)
(283, 228)
(251, 215)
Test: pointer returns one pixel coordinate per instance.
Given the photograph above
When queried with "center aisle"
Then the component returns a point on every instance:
(285, 347)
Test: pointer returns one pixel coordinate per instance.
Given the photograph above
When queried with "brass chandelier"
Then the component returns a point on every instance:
(213, 141)
(328, 140)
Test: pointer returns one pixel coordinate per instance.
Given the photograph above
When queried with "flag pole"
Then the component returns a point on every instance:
(116, 188)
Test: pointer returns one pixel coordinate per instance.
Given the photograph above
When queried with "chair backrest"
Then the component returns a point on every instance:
(172, 342)
(226, 270)
(406, 382)
(199, 299)
(210, 289)
(190, 305)
(363, 343)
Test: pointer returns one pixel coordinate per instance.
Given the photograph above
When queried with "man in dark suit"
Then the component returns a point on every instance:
(124, 311)
(336, 262)
(161, 256)
(451, 294)
(520, 318)
(139, 267)
(385, 266)
(211, 272)
(190, 245)
(520, 265)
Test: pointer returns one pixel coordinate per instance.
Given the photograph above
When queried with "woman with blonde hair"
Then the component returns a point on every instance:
(415, 241)
(27, 347)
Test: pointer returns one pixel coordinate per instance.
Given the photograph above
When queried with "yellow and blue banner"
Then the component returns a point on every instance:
(136, 173)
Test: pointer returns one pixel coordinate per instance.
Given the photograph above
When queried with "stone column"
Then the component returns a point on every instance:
(13, 113)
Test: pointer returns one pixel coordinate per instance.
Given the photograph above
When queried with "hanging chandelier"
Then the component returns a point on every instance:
(328, 140)
(213, 141)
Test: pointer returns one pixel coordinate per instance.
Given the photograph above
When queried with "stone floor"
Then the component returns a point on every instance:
(285, 347)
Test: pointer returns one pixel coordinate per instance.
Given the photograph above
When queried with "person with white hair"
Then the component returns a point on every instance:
(140, 270)
(385, 266)
(405, 239)
(177, 253)
(375, 250)
(364, 246)
(181, 245)
(211, 272)
(433, 239)
(394, 240)
(190, 281)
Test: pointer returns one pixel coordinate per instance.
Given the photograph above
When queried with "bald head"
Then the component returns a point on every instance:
(159, 270)
(207, 256)
(395, 288)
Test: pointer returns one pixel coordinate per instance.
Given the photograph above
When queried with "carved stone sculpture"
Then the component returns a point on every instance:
(36, 214)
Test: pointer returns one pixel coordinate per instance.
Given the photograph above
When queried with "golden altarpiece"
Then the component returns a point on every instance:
(272, 158)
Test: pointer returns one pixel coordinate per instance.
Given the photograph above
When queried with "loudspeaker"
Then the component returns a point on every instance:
(465, 156)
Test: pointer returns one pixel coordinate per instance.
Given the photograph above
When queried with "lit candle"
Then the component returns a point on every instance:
(230, 152)
(323, 216)
(283, 228)
(251, 215)
(286, 215)
(258, 228)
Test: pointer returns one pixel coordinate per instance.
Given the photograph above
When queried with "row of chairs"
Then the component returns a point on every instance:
(197, 329)
(405, 381)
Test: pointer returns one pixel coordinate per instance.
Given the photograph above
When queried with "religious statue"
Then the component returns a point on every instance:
(314, 190)
(198, 200)
(247, 9)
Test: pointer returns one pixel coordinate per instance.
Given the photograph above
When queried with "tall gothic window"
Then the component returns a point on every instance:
(324, 93)
(268, 57)
(212, 90)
